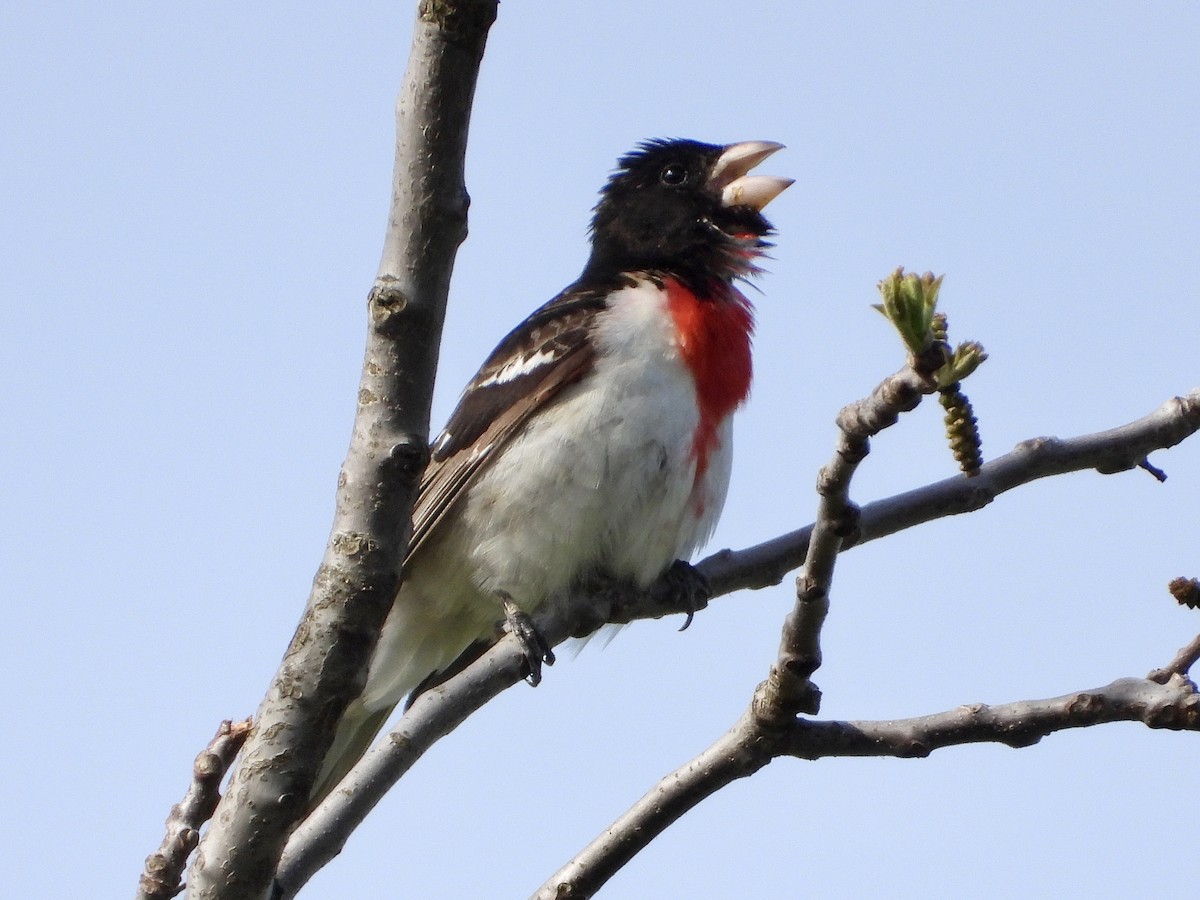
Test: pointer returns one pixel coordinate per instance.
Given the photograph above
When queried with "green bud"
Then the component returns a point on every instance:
(909, 303)
(967, 357)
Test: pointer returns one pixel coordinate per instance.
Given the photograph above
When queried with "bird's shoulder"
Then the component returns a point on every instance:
(550, 350)
(540, 352)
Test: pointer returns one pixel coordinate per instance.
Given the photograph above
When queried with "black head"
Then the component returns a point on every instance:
(684, 208)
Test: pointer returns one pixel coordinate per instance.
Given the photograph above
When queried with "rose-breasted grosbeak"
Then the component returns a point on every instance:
(596, 439)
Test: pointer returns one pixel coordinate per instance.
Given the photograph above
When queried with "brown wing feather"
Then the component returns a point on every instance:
(492, 410)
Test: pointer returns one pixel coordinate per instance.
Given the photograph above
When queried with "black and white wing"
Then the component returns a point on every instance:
(544, 354)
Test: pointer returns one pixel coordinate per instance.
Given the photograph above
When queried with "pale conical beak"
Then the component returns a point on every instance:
(729, 175)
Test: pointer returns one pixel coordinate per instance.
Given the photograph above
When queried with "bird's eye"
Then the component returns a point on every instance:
(673, 174)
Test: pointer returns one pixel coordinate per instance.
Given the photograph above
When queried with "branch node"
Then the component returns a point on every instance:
(855, 450)
(787, 692)
(457, 21)
(1179, 716)
(1023, 738)
(913, 749)
(1086, 707)
(408, 457)
(386, 304)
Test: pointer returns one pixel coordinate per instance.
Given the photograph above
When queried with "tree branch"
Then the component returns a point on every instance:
(1173, 704)
(325, 665)
(788, 690)
(439, 711)
(733, 756)
(164, 868)
(770, 727)
(743, 750)
(434, 714)
(1187, 657)
(1108, 452)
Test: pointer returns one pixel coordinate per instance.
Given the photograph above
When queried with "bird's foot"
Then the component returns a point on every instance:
(689, 588)
(533, 645)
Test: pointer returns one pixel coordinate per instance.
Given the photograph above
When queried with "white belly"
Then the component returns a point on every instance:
(604, 484)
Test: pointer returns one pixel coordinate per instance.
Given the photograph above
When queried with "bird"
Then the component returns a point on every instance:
(596, 439)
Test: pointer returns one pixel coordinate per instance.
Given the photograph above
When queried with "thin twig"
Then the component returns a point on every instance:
(162, 876)
(1181, 664)
(788, 689)
(731, 757)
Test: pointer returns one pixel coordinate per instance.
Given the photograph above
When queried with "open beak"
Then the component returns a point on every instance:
(738, 188)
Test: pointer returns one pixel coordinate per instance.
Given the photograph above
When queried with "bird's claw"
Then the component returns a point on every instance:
(533, 645)
(689, 587)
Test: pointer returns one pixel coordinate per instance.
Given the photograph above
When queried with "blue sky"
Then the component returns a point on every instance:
(194, 204)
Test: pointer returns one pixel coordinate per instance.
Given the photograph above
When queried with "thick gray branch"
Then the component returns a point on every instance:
(324, 667)
(435, 714)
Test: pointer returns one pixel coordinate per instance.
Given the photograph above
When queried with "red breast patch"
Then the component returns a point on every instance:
(714, 342)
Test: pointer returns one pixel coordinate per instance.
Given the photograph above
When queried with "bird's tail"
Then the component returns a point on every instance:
(354, 734)
(360, 724)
